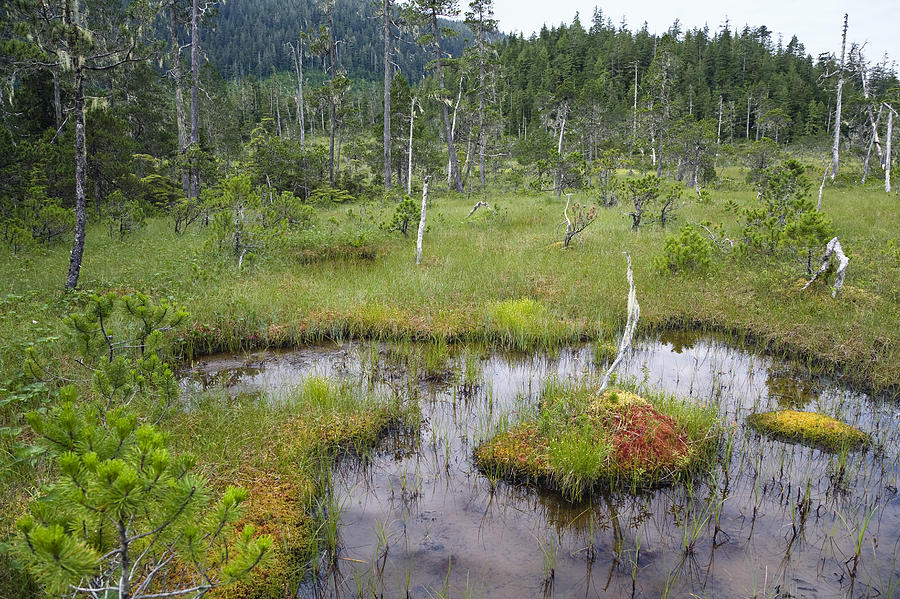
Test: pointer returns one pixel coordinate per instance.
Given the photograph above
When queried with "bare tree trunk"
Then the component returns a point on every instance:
(835, 151)
(277, 109)
(387, 93)
(195, 95)
(872, 120)
(634, 314)
(332, 101)
(887, 153)
(57, 98)
(453, 128)
(422, 221)
(412, 120)
(719, 131)
(747, 134)
(448, 134)
(298, 67)
(80, 170)
(481, 114)
(177, 75)
(634, 113)
(822, 186)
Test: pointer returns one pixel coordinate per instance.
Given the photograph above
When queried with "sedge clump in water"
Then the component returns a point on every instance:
(579, 441)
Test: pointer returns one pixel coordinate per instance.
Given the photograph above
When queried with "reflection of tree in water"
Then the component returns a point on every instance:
(789, 390)
(680, 340)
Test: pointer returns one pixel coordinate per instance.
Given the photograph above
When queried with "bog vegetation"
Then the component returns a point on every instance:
(156, 207)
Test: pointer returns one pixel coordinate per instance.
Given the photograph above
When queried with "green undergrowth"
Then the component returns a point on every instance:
(501, 284)
(809, 428)
(283, 453)
(578, 442)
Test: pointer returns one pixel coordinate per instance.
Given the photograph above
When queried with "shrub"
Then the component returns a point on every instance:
(689, 250)
(124, 515)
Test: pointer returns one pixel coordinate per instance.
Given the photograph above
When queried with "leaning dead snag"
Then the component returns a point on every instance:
(634, 312)
(581, 219)
(422, 220)
(833, 249)
(477, 206)
(822, 186)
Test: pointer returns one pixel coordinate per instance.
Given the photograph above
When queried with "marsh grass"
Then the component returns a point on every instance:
(578, 442)
(284, 453)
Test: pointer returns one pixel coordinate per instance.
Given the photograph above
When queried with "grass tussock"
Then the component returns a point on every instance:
(283, 454)
(524, 324)
(809, 428)
(579, 442)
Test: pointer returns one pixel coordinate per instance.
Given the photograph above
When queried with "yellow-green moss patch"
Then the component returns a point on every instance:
(808, 428)
(579, 441)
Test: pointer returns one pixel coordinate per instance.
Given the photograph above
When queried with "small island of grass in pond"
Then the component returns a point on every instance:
(808, 428)
(579, 442)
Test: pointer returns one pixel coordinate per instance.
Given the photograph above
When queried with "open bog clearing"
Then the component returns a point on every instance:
(416, 517)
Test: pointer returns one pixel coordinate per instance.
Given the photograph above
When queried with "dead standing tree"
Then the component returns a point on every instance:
(887, 152)
(426, 13)
(634, 313)
(835, 148)
(422, 221)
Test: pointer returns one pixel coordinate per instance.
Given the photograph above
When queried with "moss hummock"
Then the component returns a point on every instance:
(809, 428)
(579, 441)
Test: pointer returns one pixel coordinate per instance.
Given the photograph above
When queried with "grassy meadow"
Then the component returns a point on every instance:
(503, 279)
(500, 278)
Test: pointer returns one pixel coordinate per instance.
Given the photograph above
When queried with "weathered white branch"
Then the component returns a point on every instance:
(822, 186)
(833, 249)
(477, 206)
(719, 243)
(566, 212)
(634, 313)
(422, 220)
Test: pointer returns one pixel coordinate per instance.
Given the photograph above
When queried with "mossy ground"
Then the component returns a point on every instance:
(579, 442)
(283, 454)
(809, 428)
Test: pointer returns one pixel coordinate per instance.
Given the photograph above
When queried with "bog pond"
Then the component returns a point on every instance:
(417, 518)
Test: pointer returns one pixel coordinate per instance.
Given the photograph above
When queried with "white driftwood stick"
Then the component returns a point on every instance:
(477, 206)
(634, 313)
(566, 212)
(833, 249)
(422, 221)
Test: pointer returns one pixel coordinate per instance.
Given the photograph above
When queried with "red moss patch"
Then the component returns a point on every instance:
(644, 438)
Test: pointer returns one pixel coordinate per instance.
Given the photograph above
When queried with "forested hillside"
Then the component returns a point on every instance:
(250, 37)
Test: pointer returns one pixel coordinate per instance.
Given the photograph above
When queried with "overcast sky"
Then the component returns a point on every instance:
(817, 24)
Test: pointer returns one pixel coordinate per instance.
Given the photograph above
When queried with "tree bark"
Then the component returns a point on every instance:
(332, 100)
(80, 151)
(835, 150)
(412, 120)
(453, 130)
(448, 134)
(80, 170)
(887, 152)
(387, 93)
(179, 93)
(57, 98)
(876, 140)
(195, 95)
(298, 67)
(422, 221)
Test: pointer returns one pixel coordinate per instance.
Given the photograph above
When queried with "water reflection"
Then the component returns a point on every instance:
(770, 520)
